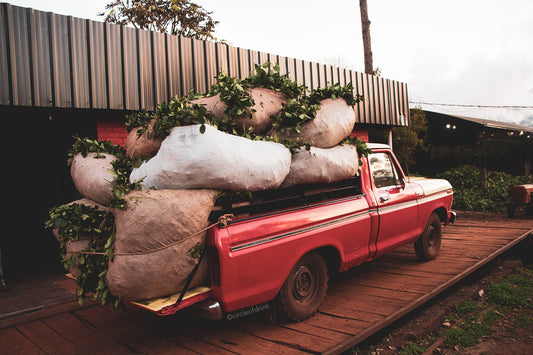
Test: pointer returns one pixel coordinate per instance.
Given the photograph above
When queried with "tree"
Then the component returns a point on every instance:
(177, 17)
(367, 47)
(410, 140)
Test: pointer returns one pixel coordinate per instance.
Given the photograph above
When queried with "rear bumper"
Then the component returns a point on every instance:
(451, 217)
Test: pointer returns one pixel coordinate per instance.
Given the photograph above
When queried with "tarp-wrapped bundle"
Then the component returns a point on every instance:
(93, 176)
(267, 103)
(153, 220)
(319, 165)
(190, 159)
(144, 145)
(333, 123)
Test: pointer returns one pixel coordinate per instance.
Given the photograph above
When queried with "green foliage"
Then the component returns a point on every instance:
(465, 307)
(76, 220)
(467, 334)
(138, 119)
(413, 349)
(121, 186)
(234, 93)
(514, 290)
(334, 92)
(362, 148)
(468, 192)
(273, 80)
(177, 17)
(85, 146)
(293, 114)
(178, 112)
(408, 141)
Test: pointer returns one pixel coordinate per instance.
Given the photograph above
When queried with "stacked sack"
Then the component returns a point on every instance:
(183, 171)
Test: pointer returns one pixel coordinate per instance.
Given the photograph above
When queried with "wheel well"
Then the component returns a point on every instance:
(332, 257)
(441, 212)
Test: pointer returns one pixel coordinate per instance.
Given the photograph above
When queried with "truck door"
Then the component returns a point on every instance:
(396, 202)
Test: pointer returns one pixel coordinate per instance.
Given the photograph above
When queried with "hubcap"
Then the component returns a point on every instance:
(304, 283)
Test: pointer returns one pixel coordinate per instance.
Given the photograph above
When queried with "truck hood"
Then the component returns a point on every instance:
(432, 186)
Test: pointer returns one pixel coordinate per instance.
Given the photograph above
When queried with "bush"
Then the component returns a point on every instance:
(468, 192)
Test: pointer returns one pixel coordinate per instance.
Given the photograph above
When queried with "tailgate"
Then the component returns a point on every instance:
(167, 305)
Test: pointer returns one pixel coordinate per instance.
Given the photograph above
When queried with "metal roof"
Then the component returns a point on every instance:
(50, 60)
(489, 123)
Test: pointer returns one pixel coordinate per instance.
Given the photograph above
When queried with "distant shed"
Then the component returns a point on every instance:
(494, 145)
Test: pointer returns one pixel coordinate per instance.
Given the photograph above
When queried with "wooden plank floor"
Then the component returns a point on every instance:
(360, 302)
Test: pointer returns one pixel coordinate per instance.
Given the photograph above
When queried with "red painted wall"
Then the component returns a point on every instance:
(361, 134)
(112, 131)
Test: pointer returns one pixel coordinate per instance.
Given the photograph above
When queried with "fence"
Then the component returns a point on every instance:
(50, 60)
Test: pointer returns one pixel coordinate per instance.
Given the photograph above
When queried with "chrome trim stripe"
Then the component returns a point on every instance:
(433, 195)
(298, 231)
(398, 205)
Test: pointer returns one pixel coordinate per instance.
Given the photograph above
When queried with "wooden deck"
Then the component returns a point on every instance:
(359, 303)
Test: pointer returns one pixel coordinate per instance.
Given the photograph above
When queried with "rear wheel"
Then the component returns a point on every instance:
(304, 289)
(428, 245)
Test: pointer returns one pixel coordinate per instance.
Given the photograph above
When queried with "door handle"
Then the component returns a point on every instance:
(384, 198)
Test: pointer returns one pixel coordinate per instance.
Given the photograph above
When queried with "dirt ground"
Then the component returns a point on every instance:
(424, 326)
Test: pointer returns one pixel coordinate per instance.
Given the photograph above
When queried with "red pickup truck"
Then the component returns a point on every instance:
(280, 246)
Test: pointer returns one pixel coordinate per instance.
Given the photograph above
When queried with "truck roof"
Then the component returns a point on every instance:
(377, 146)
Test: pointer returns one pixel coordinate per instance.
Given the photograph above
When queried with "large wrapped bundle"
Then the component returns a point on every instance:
(153, 220)
(319, 165)
(332, 124)
(189, 159)
(93, 176)
(266, 103)
(143, 145)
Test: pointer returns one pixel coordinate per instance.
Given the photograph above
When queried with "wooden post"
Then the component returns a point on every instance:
(367, 47)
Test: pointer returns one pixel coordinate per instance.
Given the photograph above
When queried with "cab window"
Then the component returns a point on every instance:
(383, 170)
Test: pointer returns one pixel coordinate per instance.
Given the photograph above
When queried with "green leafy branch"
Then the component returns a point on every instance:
(85, 146)
(75, 220)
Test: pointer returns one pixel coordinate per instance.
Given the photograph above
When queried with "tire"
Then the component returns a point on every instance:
(304, 289)
(428, 245)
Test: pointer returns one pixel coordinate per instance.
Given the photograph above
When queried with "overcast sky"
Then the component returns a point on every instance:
(474, 52)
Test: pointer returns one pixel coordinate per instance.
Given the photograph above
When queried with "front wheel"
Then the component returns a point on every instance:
(304, 289)
(428, 245)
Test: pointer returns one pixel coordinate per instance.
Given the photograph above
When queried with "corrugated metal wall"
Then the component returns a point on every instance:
(50, 60)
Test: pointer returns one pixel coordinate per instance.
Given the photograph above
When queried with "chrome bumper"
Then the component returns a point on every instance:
(451, 217)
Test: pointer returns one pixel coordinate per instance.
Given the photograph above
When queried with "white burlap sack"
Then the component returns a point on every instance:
(154, 219)
(93, 177)
(332, 124)
(266, 103)
(142, 146)
(322, 165)
(189, 159)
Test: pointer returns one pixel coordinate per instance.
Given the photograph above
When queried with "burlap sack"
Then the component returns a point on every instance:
(189, 159)
(332, 124)
(93, 177)
(142, 146)
(155, 219)
(266, 103)
(322, 165)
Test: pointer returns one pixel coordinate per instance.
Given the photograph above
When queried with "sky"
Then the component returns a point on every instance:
(475, 52)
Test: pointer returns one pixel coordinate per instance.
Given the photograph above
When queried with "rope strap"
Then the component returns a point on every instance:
(222, 223)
